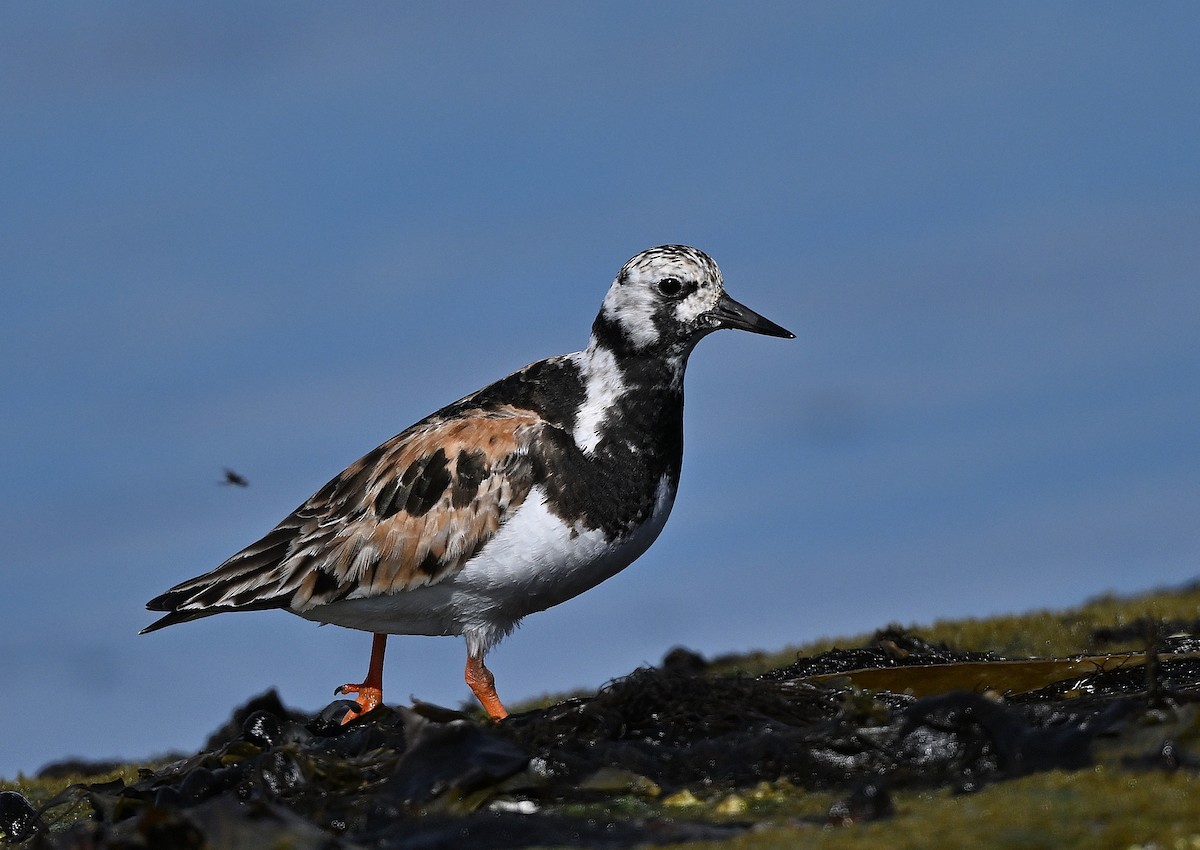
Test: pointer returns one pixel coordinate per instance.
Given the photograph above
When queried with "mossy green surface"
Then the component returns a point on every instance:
(1110, 805)
(37, 791)
(1091, 809)
(1041, 634)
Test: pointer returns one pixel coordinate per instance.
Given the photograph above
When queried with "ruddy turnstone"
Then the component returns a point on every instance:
(510, 500)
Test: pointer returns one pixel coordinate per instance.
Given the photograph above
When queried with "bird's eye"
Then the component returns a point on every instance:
(671, 287)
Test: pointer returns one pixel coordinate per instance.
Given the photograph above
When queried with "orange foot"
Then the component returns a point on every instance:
(483, 684)
(370, 690)
(368, 698)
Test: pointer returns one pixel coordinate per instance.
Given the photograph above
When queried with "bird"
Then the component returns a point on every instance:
(234, 478)
(511, 500)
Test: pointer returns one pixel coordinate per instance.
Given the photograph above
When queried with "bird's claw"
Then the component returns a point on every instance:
(369, 697)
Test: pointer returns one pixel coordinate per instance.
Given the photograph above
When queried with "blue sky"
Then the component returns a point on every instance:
(269, 236)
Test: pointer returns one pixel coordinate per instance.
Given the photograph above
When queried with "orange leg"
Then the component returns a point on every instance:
(370, 690)
(483, 683)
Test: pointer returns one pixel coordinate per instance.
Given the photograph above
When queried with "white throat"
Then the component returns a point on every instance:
(603, 384)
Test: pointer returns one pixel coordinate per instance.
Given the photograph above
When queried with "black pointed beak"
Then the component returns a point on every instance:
(730, 314)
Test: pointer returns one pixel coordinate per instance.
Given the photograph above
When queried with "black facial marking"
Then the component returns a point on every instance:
(471, 469)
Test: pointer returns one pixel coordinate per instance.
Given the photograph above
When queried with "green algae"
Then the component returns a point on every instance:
(38, 791)
(1113, 803)
(1089, 809)
(1042, 633)
(1092, 809)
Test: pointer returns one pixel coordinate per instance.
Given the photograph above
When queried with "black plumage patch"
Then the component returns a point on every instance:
(324, 586)
(610, 335)
(551, 387)
(430, 481)
(615, 487)
(430, 565)
(246, 597)
(211, 596)
(470, 470)
(418, 489)
(386, 503)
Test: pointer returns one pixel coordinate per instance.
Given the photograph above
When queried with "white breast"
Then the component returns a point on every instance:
(536, 561)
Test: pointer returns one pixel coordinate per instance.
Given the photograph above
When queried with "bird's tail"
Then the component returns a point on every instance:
(260, 577)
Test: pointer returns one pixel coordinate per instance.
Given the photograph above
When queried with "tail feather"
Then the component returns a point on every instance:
(173, 618)
(262, 576)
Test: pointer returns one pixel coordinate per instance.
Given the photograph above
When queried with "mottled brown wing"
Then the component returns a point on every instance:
(410, 513)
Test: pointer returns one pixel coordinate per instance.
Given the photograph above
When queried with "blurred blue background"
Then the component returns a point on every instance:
(270, 235)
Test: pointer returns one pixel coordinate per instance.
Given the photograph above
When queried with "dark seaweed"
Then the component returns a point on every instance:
(427, 777)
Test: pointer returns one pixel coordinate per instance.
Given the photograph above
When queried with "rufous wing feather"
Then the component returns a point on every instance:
(410, 513)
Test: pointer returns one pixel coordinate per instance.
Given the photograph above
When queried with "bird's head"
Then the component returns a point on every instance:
(666, 299)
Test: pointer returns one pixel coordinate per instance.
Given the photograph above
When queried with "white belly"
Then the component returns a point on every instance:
(534, 561)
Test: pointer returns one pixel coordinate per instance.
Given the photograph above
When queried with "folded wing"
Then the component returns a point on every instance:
(410, 513)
